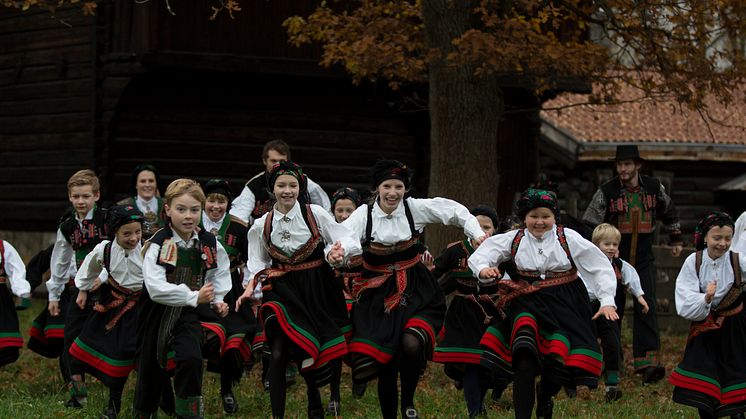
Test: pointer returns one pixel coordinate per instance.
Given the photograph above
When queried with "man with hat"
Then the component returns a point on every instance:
(633, 203)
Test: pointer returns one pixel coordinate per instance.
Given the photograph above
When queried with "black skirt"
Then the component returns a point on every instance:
(308, 307)
(108, 355)
(555, 324)
(712, 375)
(47, 334)
(10, 335)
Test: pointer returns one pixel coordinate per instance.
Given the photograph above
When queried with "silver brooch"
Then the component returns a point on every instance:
(285, 235)
(285, 219)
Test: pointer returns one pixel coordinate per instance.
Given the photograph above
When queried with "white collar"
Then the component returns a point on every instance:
(207, 219)
(380, 213)
(178, 240)
(290, 215)
(88, 216)
(547, 234)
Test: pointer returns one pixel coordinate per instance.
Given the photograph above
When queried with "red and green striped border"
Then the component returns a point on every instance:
(368, 347)
(700, 383)
(112, 367)
(51, 331)
(11, 340)
(237, 342)
(458, 355)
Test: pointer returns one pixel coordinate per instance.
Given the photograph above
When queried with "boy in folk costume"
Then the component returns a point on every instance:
(186, 275)
(634, 203)
(12, 282)
(607, 238)
(712, 375)
(399, 305)
(256, 198)
(548, 313)
(240, 326)
(303, 311)
(105, 348)
(79, 232)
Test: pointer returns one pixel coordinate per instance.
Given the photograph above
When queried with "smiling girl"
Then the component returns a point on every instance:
(399, 305)
(547, 309)
(712, 374)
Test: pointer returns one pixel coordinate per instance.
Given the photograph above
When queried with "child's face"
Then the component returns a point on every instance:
(215, 208)
(718, 241)
(486, 224)
(129, 235)
(185, 212)
(83, 199)
(343, 208)
(273, 157)
(610, 247)
(286, 189)
(390, 193)
(539, 221)
(146, 185)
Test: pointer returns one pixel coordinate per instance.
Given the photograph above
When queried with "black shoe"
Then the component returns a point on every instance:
(109, 413)
(497, 392)
(290, 372)
(612, 394)
(653, 374)
(315, 413)
(409, 413)
(333, 408)
(266, 386)
(230, 405)
(358, 389)
(74, 403)
(571, 392)
(458, 384)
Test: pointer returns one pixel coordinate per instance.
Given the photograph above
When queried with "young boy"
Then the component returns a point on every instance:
(186, 275)
(606, 237)
(79, 232)
(256, 198)
(240, 326)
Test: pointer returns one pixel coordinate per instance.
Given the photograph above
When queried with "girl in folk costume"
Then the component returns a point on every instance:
(186, 275)
(12, 282)
(240, 326)
(145, 181)
(712, 375)
(548, 328)
(303, 309)
(469, 314)
(399, 305)
(81, 229)
(105, 347)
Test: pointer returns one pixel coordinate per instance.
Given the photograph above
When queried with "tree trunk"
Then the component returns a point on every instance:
(464, 115)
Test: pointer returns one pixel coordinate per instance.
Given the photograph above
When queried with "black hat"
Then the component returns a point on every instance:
(627, 152)
(119, 215)
(385, 169)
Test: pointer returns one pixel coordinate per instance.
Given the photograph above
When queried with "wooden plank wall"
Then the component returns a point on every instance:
(202, 124)
(46, 90)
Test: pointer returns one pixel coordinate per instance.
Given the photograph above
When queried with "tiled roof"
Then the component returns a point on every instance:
(647, 122)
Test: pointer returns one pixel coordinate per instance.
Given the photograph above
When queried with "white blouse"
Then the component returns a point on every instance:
(15, 270)
(289, 233)
(163, 292)
(389, 229)
(630, 280)
(126, 266)
(150, 205)
(209, 224)
(545, 254)
(62, 263)
(243, 204)
(690, 289)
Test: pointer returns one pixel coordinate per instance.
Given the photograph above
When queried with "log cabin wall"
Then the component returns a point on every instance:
(46, 120)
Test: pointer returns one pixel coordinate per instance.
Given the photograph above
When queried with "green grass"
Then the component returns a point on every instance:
(32, 388)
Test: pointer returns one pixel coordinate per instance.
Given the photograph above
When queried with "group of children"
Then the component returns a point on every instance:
(163, 285)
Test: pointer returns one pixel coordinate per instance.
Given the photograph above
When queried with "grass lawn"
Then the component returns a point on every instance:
(32, 388)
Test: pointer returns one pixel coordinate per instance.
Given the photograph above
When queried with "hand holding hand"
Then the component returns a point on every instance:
(428, 260)
(336, 255)
(82, 298)
(248, 295)
(491, 272)
(710, 291)
(54, 308)
(221, 308)
(481, 239)
(206, 293)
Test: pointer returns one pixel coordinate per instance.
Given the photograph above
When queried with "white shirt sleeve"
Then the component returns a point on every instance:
(739, 235)
(243, 204)
(15, 269)
(492, 252)
(62, 256)
(594, 267)
(319, 196)
(258, 257)
(91, 268)
(447, 212)
(220, 276)
(631, 280)
(690, 300)
(356, 222)
(160, 290)
(332, 232)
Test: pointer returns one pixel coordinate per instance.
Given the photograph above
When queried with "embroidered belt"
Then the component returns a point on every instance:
(478, 300)
(511, 289)
(398, 270)
(713, 321)
(281, 269)
(122, 298)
